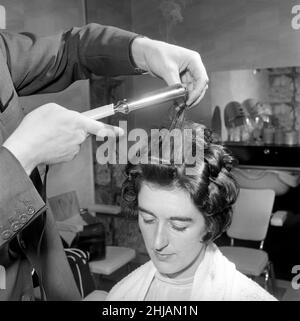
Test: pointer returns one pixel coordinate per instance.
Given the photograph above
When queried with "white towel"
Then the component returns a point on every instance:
(216, 279)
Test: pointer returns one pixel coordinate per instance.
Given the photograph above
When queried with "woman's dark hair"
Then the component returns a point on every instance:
(210, 183)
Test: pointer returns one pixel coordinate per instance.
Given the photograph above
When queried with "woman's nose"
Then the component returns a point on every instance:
(161, 238)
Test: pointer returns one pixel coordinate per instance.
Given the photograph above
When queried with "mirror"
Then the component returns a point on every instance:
(257, 107)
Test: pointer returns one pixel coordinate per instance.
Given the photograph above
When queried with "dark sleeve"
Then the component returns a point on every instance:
(20, 203)
(58, 286)
(50, 64)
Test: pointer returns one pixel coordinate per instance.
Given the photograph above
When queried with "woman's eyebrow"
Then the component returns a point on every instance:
(146, 211)
(180, 218)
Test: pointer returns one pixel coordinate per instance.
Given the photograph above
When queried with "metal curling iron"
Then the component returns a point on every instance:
(176, 93)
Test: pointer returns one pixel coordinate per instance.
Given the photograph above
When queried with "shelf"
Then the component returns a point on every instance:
(273, 156)
(284, 73)
(278, 73)
(280, 102)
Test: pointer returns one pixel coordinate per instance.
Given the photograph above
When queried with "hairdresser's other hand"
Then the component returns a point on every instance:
(52, 134)
(172, 63)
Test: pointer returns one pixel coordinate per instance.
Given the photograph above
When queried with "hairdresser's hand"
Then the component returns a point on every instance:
(52, 134)
(173, 64)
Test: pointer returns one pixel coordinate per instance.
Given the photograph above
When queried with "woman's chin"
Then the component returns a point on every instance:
(165, 268)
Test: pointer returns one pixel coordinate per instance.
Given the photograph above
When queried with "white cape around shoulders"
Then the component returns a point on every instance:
(216, 279)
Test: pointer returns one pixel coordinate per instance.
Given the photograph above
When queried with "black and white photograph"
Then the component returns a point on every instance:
(150, 153)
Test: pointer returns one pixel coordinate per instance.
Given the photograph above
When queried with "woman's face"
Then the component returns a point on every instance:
(172, 228)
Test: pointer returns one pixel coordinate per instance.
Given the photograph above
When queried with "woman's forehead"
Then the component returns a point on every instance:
(166, 200)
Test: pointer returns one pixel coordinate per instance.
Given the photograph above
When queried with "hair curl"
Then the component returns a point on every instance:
(212, 187)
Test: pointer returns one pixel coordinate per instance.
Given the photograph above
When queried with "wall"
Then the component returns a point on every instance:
(43, 17)
(2, 17)
(231, 34)
(115, 13)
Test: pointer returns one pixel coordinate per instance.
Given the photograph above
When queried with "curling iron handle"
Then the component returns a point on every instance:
(100, 112)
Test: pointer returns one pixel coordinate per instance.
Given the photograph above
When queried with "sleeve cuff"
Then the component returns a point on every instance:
(20, 203)
(137, 70)
(105, 50)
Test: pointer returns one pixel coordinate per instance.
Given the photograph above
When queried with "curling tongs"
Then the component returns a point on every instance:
(177, 93)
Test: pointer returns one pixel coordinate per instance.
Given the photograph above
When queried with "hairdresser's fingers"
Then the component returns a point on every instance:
(100, 129)
(200, 97)
(172, 77)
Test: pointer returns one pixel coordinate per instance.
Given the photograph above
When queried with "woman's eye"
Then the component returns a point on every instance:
(179, 227)
(148, 219)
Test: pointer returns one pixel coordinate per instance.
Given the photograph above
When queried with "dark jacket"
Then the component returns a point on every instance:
(30, 65)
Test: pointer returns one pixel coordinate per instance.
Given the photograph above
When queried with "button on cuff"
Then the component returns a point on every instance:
(6, 234)
(30, 210)
(23, 218)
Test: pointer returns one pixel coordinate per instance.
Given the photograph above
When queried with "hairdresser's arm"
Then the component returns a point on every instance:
(50, 64)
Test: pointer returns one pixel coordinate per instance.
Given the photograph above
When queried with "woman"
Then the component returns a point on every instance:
(180, 214)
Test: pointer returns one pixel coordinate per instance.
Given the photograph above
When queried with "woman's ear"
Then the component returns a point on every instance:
(206, 237)
(207, 234)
